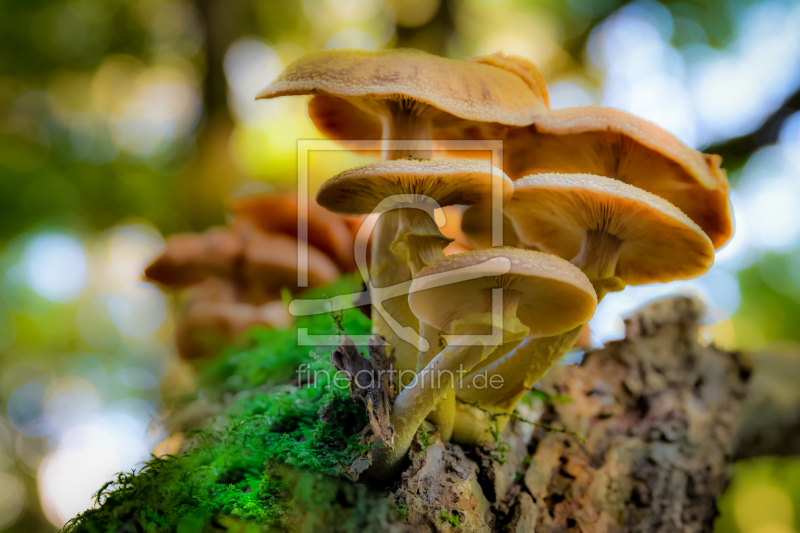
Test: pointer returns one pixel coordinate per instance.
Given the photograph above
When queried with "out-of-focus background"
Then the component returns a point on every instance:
(123, 121)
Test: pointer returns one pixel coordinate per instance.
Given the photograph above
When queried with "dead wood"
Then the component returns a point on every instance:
(659, 412)
(370, 383)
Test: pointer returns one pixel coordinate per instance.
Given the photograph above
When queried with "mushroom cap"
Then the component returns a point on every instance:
(449, 182)
(554, 295)
(520, 66)
(277, 213)
(190, 258)
(613, 143)
(496, 88)
(260, 264)
(271, 263)
(659, 243)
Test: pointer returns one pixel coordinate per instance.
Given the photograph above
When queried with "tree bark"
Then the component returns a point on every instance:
(659, 413)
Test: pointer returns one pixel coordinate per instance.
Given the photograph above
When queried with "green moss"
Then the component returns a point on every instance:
(402, 512)
(262, 357)
(453, 520)
(232, 471)
(425, 439)
(544, 397)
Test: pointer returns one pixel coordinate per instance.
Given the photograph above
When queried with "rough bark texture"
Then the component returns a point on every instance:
(370, 383)
(659, 413)
(441, 489)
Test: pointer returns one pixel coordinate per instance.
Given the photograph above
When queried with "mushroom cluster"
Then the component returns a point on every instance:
(230, 278)
(592, 200)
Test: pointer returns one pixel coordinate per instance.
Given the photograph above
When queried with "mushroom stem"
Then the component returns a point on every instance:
(405, 123)
(385, 271)
(499, 353)
(443, 415)
(598, 260)
(418, 240)
(427, 390)
(437, 379)
(401, 122)
(519, 370)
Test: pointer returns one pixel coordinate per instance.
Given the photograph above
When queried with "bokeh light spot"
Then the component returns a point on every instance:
(55, 267)
(137, 309)
(760, 504)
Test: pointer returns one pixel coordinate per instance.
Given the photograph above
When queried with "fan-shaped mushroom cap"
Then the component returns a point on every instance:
(190, 258)
(360, 190)
(355, 88)
(277, 213)
(613, 143)
(554, 295)
(471, 90)
(658, 243)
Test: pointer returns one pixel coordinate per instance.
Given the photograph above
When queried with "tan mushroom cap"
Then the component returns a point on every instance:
(449, 182)
(260, 264)
(554, 295)
(613, 143)
(470, 90)
(659, 243)
(271, 263)
(190, 258)
(353, 87)
(277, 213)
(522, 68)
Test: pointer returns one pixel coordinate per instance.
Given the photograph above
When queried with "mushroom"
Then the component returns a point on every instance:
(540, 295)
(258, 264)
(277, 213)
(615, 233)
(476, 224)
(414, 189)
(270, 263)
(235, 278)
(521, 365)
(612, 143)
(406, 94)
(190, 258)
(208, 326)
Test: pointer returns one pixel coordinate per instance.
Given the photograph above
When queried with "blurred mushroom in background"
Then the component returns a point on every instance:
(230, 279)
